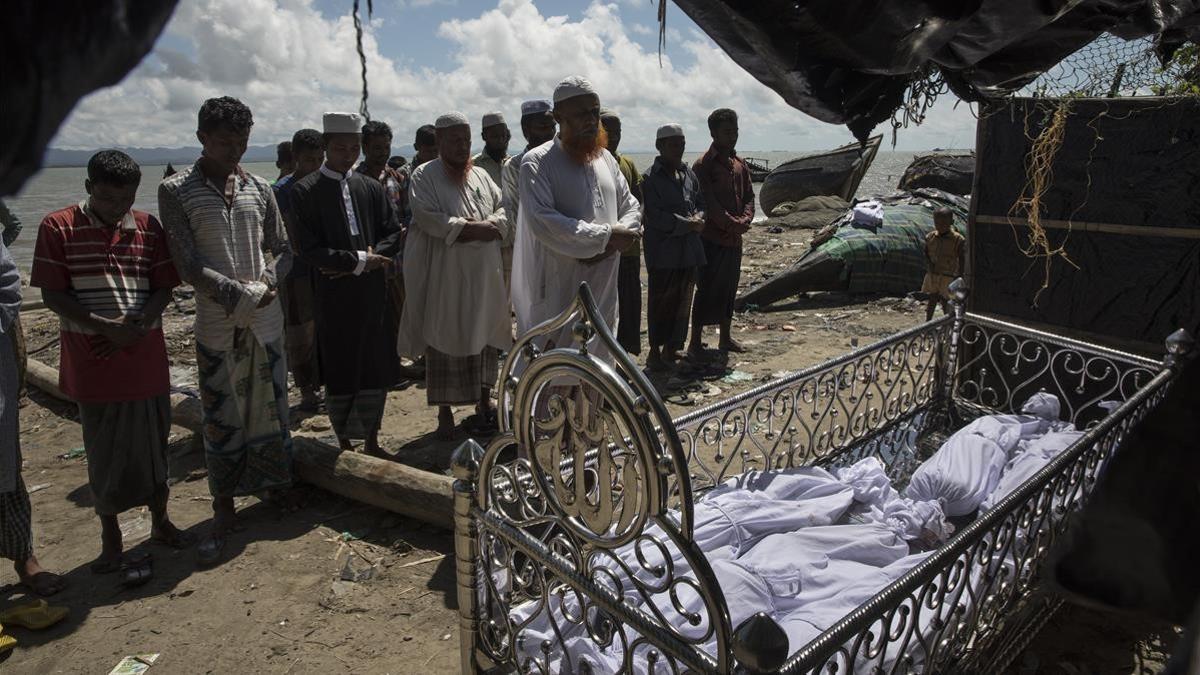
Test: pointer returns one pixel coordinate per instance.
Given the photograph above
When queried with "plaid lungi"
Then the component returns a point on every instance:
(300, 329)
(16, 522)
(358, 415)
(126, 444)
(629, 304)
(459, 380)
(670, 304)
(247, 443)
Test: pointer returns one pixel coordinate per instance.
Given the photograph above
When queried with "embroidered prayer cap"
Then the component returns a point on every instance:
(609, 114)
(492, 119)
(451, 119)
(342, 123)
(573, 86)
(535, 107)
(669, 130)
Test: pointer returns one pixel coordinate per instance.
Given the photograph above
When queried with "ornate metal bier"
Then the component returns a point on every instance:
(578, 517)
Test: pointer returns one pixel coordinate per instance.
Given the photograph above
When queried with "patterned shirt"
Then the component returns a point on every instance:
(111, 271)
(220, 239)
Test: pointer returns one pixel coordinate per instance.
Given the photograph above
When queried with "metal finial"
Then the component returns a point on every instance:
(464, 463)
(759, 644)
(959, 290)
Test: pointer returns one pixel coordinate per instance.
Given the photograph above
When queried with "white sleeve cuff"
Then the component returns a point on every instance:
(362, 263)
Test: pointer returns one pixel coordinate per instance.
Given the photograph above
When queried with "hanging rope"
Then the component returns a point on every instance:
(662, 29)
(362, 56)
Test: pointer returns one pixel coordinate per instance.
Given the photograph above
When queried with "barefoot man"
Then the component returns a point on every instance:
(577, 215)
(729, 197)
(16, 531)
(226, 235)
(456, 313)
(105, 269)
(348, 229)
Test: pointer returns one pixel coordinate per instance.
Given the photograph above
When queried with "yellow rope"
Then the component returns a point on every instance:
(1039, 174)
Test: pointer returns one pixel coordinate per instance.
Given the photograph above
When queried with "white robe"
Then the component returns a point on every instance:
(454, 291)
(567, 215)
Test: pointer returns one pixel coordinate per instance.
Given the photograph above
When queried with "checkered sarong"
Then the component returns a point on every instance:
(459, 380)
(16, 524)
(356, 416)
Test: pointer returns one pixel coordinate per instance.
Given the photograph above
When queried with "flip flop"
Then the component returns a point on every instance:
(210, 549)
(7, 642)
(137, 572)
(36, 615)
(44, 583)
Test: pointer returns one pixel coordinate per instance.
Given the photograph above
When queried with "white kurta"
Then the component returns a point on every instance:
(567, 214)
(454, 291)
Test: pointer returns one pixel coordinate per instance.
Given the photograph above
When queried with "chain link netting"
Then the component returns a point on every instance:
(1111, 66)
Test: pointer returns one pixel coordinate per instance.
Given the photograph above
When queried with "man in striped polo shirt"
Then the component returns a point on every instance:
(226, 235)
(106, 271)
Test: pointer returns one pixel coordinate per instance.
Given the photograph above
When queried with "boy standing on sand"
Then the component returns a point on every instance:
(105, 269)
(945, 251)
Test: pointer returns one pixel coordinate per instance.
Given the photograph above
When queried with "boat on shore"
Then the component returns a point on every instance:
(836, 172)
(948, 170)
(759, 168)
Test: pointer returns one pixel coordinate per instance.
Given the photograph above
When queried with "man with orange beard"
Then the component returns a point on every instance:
(577, 215)
(456, 309)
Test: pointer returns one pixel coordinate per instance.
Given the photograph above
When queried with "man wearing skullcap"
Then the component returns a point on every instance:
(729, 196)
(577, 215)
(538, 127)
(674, 217)
(349, 230)
(456, 310)
(629, 271)
(226, 235)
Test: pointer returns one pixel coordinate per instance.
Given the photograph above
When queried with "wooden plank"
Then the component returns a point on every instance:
(1107, 228)
(423, 495)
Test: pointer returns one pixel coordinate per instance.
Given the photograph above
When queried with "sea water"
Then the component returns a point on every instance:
(54, 188)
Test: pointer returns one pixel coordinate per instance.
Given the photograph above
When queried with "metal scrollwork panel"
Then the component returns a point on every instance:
(1001, 368)
(814, 416)
(961, 602)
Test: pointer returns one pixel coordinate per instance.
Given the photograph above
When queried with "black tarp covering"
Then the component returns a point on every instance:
(1127, 178)
(54, 53)
(850, 61)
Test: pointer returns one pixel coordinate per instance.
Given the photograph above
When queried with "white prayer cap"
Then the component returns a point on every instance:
(608, 113)
(451, 119)
(342, 123)
(492, 119)
(573, 86)
(669, 130)
(535, 107)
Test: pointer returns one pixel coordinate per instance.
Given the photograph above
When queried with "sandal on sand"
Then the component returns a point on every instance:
(481, 426)
(105, 566)
(36, 615)
(7, 642)
(44, 583)
(210, 549)
(137, 572)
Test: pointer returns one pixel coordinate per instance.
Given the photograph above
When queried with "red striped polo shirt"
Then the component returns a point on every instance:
(110, 271)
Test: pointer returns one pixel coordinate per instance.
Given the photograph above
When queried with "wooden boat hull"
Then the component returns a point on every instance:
(952, 172)
(837, 172)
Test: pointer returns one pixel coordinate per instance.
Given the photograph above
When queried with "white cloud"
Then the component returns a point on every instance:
(289, 64)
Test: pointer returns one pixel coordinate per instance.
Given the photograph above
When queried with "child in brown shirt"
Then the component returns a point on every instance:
(945, 250)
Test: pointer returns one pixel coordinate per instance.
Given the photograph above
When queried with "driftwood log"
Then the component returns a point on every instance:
(423, 495)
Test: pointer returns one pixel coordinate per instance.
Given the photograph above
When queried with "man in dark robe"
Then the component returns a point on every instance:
(348, 229)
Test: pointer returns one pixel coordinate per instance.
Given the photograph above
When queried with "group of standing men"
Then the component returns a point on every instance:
(340, 268)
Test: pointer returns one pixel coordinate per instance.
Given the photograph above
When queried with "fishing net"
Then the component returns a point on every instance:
(1111, 66)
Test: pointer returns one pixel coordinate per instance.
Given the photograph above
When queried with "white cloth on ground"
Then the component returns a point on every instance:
(567, 213)
(454, 290)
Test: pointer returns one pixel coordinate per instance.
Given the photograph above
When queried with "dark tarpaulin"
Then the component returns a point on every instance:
(54, 53)
(851, 61)
(1127, 178)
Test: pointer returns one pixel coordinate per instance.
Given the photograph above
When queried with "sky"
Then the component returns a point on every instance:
(292, 60)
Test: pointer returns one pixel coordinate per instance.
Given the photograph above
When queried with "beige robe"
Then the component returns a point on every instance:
(455, 301)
